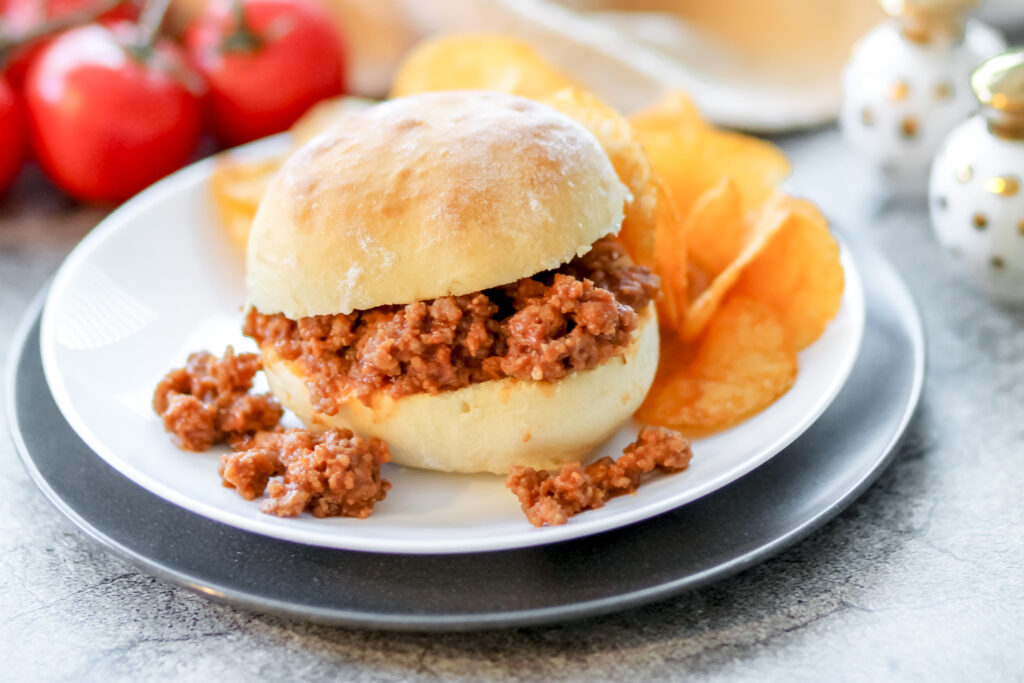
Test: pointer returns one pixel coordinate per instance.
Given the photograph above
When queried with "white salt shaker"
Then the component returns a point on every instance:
(905, 87)
(976, 192)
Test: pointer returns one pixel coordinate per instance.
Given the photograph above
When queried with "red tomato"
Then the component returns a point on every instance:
(107, 122)
(24, 15)
(293, 60)
(12, 135)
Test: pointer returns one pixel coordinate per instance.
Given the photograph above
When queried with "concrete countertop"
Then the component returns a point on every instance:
(920, 579)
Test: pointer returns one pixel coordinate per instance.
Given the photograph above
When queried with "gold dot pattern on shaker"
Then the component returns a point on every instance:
(1004, 186)
(898, 91)
(908, 127)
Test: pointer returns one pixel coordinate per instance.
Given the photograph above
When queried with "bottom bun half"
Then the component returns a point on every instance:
(494, 425)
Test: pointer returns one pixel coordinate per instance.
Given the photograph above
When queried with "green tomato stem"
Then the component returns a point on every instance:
(10, 42)
(242, 38)
(149, 24)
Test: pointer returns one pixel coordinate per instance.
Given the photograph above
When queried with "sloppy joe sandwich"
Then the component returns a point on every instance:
(441, 271)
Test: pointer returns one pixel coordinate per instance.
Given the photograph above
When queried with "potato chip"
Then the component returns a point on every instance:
(673, 111)
(615, 135)
(716, 229)
(765, 223)
(672, 264)
(238, 186)
(692, 156)
(477, 62)
(743, 363)
(640, 221)
(798, 274)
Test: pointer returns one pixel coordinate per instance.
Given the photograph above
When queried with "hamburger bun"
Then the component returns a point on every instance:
(435, 195)
(427, 196)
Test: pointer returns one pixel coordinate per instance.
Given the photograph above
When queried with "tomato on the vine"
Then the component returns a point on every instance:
(109, 117)
(266, 62)
(12, 135)
(23, 16)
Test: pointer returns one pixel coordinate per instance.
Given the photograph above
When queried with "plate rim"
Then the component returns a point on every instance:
(338, 538)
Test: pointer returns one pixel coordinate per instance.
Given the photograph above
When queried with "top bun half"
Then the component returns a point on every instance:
(426, 196)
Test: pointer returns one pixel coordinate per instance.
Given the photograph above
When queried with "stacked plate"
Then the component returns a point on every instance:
(159, 279)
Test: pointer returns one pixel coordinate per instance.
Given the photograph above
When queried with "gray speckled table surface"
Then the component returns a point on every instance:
(920, 579)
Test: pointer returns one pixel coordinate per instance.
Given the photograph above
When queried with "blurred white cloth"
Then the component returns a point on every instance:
(761, 65)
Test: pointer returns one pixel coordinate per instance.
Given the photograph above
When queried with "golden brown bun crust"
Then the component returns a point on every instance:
(491, 426)
(427, 196)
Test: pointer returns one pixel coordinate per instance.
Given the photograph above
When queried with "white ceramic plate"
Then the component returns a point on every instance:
(159, 279)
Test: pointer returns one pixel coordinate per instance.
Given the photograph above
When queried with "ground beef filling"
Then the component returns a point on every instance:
(538, 328)
(329, 474)
(552, 499)
(209, 401)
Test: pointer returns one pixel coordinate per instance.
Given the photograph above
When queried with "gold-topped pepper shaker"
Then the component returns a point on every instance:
(976, 192)
(999, 86)
(905, 86)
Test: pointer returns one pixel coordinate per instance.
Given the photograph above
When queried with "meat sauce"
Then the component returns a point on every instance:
(329, 474)
(209, 400)
(551, 499)
(538, 328)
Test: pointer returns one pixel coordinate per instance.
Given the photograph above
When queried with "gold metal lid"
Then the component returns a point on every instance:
(998, 83)
(923, 20)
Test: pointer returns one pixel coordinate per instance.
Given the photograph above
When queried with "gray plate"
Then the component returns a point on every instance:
(742, 524)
